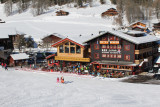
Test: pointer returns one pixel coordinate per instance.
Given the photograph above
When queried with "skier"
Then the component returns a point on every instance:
(62, 79)
(57, 79)
(5, 65)
(2, 64)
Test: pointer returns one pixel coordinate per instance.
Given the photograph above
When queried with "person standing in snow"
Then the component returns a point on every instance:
(5, 65)
(2, 64)
(62, 79)
(57, 79)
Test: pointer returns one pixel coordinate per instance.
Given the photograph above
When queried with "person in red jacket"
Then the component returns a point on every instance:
(2, 64)
(62, 79)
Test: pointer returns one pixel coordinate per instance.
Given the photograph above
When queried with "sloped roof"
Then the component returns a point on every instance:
(137, 22)
(136, 40)
(5, 32)
(19, 56)
(57, 35)
(67, 39)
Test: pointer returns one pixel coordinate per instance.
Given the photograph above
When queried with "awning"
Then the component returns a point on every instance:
(123, 63)
(63, 58)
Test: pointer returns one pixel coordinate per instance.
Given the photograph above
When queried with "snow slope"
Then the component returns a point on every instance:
(82, 21)
(39, 89)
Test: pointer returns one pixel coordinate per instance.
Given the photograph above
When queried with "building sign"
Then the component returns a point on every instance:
(104, 42)
(114, 42)
(1, 48)
(111, 42)
(111, 51)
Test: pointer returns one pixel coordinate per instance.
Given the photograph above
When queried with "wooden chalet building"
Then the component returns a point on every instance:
(139, 26)
(6, 45)
(156, 28)
(122, 52)
(18, 59)
(49, 40)
(62, 13)
(110, 12)
(70, 53)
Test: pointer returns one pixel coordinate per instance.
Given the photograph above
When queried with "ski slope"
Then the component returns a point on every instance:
(39, 89)
(81, 21)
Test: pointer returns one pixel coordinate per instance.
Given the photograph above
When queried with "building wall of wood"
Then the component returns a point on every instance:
(123, 52)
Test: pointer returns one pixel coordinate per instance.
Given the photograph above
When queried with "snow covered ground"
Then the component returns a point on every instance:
(82, 21)
(39, 89)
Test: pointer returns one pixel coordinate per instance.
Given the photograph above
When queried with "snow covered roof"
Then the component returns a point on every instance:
(67, 39)
(157, 60)
(137, 40)
(144, 22)
(5, 32)
(133, 32)
(138, 26)
(19, 56)
(57, 35)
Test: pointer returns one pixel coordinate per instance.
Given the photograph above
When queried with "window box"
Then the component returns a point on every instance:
(96, 46)
(104, 55)
(127, 47)
(127, 57)
(96, 55)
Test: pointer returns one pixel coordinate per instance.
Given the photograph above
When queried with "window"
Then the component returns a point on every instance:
(96, 46)
(119, 56)
(104, 55)
(111, 38)
(108, 56)
(127, 57)
(72, 43)
(127, 47)
(118, 46)
(111, 46)
(67, 43)
(111, 55)
(66, 49)
(114, 47)
(114, 56)
(104, 38)
(78, 49)
(96, 55)
(61, 50)
(104, 46)
(107, 46)
(117, 39)
(72, 49)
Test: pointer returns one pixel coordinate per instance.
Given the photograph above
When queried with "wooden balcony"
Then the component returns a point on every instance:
(140, 60)
(72, 59)
(143, 50)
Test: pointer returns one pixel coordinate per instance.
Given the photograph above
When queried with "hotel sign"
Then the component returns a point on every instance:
(111, 51)
(114, 42)
(111, 42)
(104, 42)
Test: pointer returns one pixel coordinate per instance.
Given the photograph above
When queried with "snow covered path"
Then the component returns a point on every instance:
(39, 89)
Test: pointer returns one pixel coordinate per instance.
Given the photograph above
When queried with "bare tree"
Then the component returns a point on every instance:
(39, 6)
(8, 7)
(157, 8)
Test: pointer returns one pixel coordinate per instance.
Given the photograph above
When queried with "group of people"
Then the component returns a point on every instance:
(62, 80)
(4, 65)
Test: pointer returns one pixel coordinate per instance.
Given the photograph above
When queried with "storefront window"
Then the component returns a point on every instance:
(66, 49)
(78, 49)
(104, 46)
(72, 49)
(61, 50)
